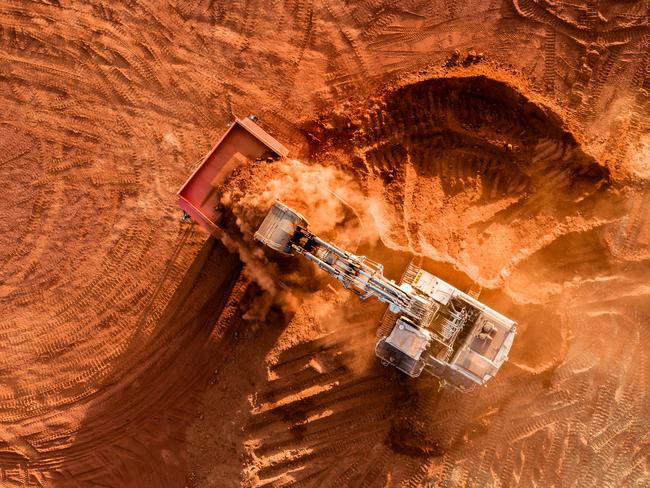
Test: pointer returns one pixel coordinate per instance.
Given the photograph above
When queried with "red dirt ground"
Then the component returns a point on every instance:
(137, 352)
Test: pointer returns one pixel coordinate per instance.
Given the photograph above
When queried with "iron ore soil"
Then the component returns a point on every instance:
(505, 144)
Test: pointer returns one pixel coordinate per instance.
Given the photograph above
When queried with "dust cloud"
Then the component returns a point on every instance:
(330, 200)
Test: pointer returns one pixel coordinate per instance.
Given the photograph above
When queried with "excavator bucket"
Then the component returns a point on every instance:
(279, 227)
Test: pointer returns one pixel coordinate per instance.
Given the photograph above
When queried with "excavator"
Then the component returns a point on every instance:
(429, 325)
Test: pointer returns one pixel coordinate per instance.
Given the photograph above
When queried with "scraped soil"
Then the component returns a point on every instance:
(136, 351)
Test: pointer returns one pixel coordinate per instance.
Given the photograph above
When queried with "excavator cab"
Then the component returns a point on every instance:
(404, 347)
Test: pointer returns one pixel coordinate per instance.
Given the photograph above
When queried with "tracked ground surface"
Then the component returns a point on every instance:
(128, 353)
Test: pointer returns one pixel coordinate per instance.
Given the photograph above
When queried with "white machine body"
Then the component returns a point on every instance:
(429, 326)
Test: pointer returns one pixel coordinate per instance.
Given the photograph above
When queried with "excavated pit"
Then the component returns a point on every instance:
(468, 170)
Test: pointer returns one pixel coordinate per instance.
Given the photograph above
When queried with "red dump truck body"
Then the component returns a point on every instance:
(244, 141)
